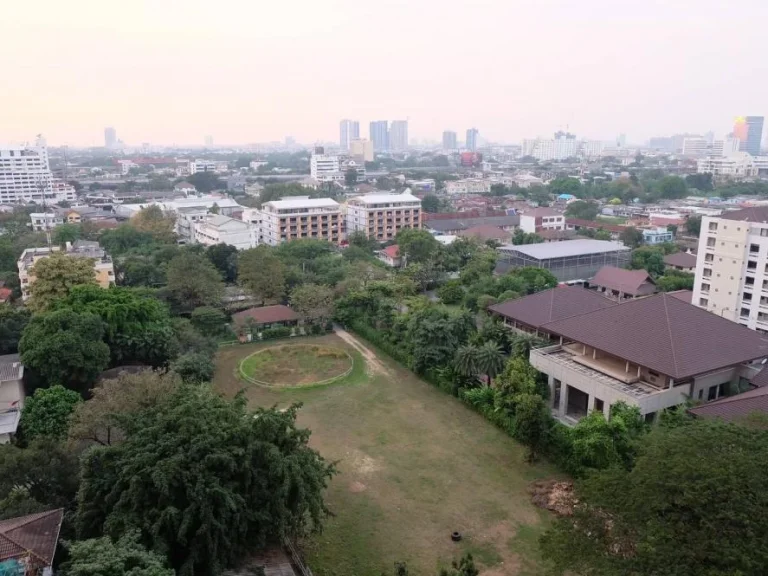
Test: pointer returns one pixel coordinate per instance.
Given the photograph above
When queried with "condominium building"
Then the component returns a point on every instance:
(748, 130)
(300, 217)
(558, 148)
(732, 267)
(468, 186)
(379, 135)
(449, 140)
(103, 268)
(325, 168)
(25, 176)
(215, 229)
(216, 166)
(382, 216)
(398, 135)
(471, 142)
(348, 130)
(736, 166)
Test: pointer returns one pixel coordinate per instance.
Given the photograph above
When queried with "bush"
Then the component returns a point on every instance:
(316, 329)
(486, 300)
(194, 367)
(451, 292)
(276, 332)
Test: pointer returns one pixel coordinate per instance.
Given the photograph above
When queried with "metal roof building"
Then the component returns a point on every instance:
(567, 260)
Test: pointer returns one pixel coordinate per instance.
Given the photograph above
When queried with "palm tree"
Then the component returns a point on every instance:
(489, 360)
(465, 360)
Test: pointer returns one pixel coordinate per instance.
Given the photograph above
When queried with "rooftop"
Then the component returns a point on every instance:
(595, 224)
(665, 334)
(442, 225)
(302, 202)
(265, 315)
(633, 282)
(681, 259)
(542, 212)
(35, 535)
(549, 305)
(382, 198)
(566, 248)
(735, 407)
(485, 232)
(752, 214)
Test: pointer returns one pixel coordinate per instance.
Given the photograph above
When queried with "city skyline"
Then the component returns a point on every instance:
(86, 69)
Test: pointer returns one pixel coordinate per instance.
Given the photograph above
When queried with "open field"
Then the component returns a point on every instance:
(296, 364)
(415, 464)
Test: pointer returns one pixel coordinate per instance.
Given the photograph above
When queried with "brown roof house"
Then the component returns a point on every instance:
(682, 261)
(653, 353)
(486, 232)
(28, 543)
(391, 256)
(254, 320)
(621, 284)
(530, 313)
(735, 407)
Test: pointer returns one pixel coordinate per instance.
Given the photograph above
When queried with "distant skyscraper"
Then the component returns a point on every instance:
(208, 141)
(110, 137)
(472, 139)
(379, 135)
(348, 130)
(749, 132)
(449, 140)
(398, 135)
(621, 141)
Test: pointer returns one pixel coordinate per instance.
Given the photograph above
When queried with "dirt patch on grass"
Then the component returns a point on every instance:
(296, 364)
(371, 361)
(553, 495)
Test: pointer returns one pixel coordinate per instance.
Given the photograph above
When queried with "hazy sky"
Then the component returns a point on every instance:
(164, 71)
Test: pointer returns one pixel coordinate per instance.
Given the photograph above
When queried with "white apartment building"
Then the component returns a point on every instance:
(732, 267)
(11, 395)
(25, 176)
(695, 146)
(42, 221)
(468, 186)
(735, 166)
(300, 217)
(216, 166)
(382, 216)
(551, 149)
(540, 219)
(591, 148)
(215, 229)
(325, 168)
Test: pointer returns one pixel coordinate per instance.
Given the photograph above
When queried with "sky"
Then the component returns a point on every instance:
(171, 72)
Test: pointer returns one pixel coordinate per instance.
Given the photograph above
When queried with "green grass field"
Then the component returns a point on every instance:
(415, 464)
(296, 364)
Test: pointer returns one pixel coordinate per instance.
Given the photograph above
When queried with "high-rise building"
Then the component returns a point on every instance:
(110, 137)
(26, 176)
(301, 217)
(208, 140)
(379, 135)
(325, 168)
(449, 140)
(398, 135)
(362, 148)
(472, 139)
(348, 130)
(749, 131)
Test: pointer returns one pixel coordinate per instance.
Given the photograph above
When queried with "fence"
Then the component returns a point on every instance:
(296, 558)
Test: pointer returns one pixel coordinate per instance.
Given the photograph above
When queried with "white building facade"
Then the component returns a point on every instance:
(215, 229)
(25, 176)
(325, 168)
(468, 186)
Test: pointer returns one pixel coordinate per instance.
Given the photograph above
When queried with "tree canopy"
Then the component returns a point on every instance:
(47, 411)
(263, 273)
(55, 276)
(159, 225)
(193, 281)
(105, 557)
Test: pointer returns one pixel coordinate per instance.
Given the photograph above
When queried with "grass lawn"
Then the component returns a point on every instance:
(296, 364)
(615, 220)
(415, 464)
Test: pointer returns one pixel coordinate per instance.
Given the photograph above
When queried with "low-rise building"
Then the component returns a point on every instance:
(682, 261)
(11, 395)
(660, 235)
(103, 267)
(654, 353)
(468, 186)
(301, 217)
(391, 256)
(539, 219)
(452, 226)
(325, 168)
(622, 284)
(382, 216)
(215, 229)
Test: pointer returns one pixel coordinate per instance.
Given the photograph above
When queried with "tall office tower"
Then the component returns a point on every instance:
(348, 130)
(208, 141)
(472, 139)
(379, 135)
(749, 131)
(110, 137)
(449, 140)
(398, 135)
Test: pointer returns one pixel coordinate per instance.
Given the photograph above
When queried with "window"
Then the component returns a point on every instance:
(704, 287)
(749, 281)
(599, 405)
(722, 389)
(747, 297)
(654, 374)
(710, 242)
(751, 265)
(712, 393)
(703, 302)
(744, 312)
(713, 226)
(754, 248)
(709, 257)
(763, 232)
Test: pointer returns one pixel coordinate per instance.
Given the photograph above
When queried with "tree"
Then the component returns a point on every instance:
(137, 328)
(208, 320)
(430, 203)
(675, 280)
(262, 272)
(435, 333)
(65, 348)
(204, 480)
(417, 246)
(692, 504)
(194, 367)
(631, 237)
(105, 557)
(350, 177)
(566, 185)
(206, 182)
(672, 187)
(65, 233)
(693, 225)
(451, 292)
(532, 421)
(193, 281)
(490, 360)
(124, 238)
(12, 323)
(224, 257)
(158, 224)
(520, 237)
(115, 400)
(313, 302)
(55, 277)
(582, 209)
(649, 258)
(214, 209)
(47, 412)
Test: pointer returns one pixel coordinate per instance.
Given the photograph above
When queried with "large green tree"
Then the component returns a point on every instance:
(417, 246)
(313, 302)
(263, 273)
(694, 503)
(224, 257)
(204, 480)
(649, 258)
(47, 412)
(12, 323)
(158, 224)
(56, 276)
(193, 281)
(582, 209)
(105, 557)
(65, 348)
(137, 326)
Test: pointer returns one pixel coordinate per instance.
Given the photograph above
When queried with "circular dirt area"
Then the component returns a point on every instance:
(289, 365)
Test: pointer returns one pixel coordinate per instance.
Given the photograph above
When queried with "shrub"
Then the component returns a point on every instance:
(486, 300)
(451, 292)
(276, 332)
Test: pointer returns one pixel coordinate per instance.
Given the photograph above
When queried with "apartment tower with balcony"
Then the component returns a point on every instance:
(382, 216)
(300, 217)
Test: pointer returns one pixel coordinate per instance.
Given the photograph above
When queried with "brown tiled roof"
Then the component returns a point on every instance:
(553, 234)
(760, 379)
(392, 251)
(542, 212)
(595, 225)
(665, 334)
(734, 407)
(554, 304)
(684, 295)
(634, 282)
(266, 315)
(682, 259)
(485, 232)
(35, 535)
(752, 214)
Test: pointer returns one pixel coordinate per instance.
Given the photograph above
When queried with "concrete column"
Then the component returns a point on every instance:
(590, 403)
(606, 410)
(563, 399)
(551, 391)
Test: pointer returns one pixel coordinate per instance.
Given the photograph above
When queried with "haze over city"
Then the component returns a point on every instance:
(169, 72)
